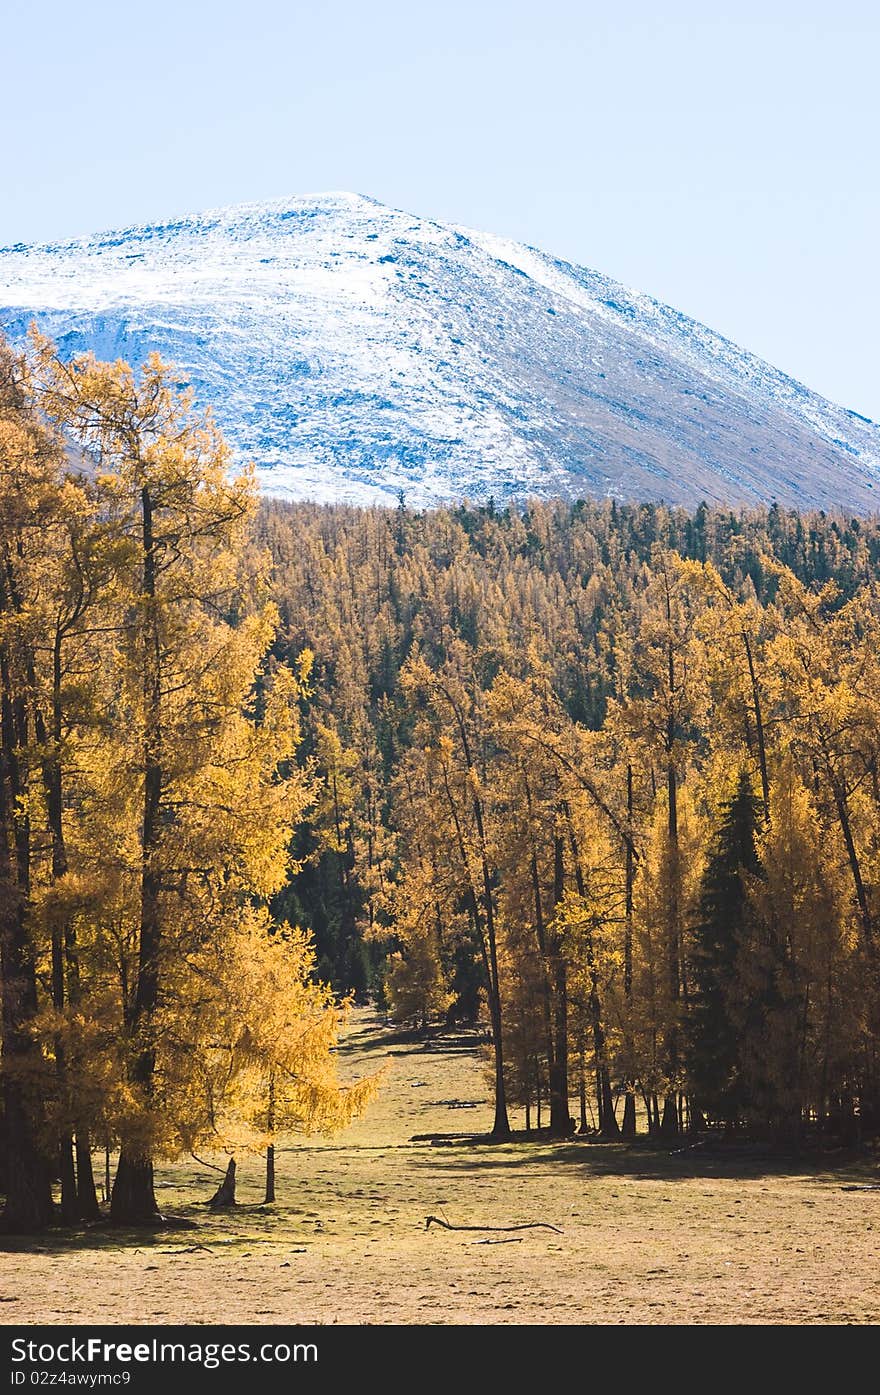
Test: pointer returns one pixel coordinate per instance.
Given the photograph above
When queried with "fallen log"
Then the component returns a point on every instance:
(527, 1225)
(187, 1250)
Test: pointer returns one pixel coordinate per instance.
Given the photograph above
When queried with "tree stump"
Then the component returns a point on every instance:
(225, 1194)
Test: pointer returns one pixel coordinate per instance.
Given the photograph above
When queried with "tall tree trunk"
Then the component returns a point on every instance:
(28, 1187)
(608, 1125)
(28, 1171)
(501, 1124)
(628, 1128)
(133, 1200)
(628, 894)
(66, 1169)
(560, 1115)
(600, 1097)
(669, 1124)
(270, 1147)
(842, 807)
(871, 1109)
(86, 1191)
(482, 907)
(270, 1175)
(654, 1111)
(540, 934)
(560, 1118)
(759, 725)
(53, 787)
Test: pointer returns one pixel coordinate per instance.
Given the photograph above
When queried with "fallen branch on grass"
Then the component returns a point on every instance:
(529, 1225)
(509, 1240)
(187, 1250)
(154, 1222)
(689, 1147)
(861, 1187)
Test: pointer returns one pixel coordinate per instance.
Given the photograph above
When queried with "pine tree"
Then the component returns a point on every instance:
(723, 928)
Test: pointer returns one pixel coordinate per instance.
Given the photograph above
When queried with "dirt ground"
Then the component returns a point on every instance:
(647, 1237)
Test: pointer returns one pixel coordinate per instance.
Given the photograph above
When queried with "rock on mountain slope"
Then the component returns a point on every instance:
(352, 350)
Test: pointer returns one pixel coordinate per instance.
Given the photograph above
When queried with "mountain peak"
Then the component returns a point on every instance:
(353, 350)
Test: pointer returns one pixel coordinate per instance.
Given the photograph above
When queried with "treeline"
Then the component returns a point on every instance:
(149, 788)
(609, 775)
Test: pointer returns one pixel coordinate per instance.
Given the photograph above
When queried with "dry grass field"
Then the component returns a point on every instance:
(647, 1236)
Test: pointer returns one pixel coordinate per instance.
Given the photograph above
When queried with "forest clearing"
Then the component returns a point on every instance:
(648, 1235)
(439, 691)
(577, 804)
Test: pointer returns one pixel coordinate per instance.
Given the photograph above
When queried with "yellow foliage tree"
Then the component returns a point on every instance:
(186, 788)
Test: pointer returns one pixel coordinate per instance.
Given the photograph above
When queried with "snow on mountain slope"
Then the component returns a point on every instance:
(352, 350)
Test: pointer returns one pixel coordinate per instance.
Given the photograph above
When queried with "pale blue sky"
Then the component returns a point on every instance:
(723, 157)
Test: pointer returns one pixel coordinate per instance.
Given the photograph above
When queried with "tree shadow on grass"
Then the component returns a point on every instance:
(103, 1237)
(645, 1161)
(374, 1037)
(245, 1225)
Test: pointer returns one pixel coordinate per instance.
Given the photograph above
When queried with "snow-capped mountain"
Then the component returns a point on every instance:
(352, 351)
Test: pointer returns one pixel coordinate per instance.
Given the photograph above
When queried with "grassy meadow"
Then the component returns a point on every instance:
(648, 1236)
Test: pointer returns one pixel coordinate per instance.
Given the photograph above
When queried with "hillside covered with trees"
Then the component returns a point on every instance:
(609, 775)
(603, 778)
